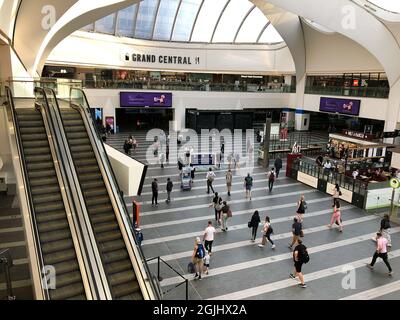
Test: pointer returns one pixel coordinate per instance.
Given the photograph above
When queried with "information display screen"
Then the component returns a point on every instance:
(342, 106)
(145, 99)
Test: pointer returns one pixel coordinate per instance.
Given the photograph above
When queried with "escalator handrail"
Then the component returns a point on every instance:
(28, 191)
(76, 181)
(86, 111)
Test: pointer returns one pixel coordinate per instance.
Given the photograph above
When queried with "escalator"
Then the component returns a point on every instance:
(53, 229)
(117, 262)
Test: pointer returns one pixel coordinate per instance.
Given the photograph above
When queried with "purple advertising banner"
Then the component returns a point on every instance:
(342, 106)
(145, 99)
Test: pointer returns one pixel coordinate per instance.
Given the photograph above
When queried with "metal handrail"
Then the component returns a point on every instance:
(28, 191)
(85, 224)
(86, 110)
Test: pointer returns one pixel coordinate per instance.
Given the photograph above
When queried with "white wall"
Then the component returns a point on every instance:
(370, 108)
(181, 100)
(99, 50)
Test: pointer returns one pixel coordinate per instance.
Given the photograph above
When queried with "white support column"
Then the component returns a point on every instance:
(392, 121)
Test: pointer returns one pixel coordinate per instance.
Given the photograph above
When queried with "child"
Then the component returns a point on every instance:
(207, 262)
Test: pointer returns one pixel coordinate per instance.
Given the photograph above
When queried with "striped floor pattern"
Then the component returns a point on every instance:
(239, 269)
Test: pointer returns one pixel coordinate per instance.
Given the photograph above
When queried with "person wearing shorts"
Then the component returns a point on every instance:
(248, 183)
(298, 253)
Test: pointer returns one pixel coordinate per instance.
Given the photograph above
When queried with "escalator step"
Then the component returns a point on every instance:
(106, 227)
(35, 144)
(76, 135)
(122, 277)
(119, 266)
(60, 257)
(84, 155)
(47, 207)
(67, 266)
(85, 162)
(101, 218)
(95, 192)
(75, 129)
(88, 169)
(84, 148)
(40, 166)
(32, 130)
(111, 245)
(50, 216)
(79, 142)
(125, 289)
(100, 209)
(98, 200)
(108, 236)
(48, 197)
(31, 116)
(73, 122)
(60, 235)
(54, 225)
(39, 158)
(44, 182)
(71, 116)
(36, 151)
(116, 257)
(92, 185)
(55, 246)
(30, 123)
(134, 296)
(34, 137)
(41, 173)
(66, 292)
(67, 279)
(44, 190)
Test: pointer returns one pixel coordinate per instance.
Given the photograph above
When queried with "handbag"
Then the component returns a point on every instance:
(301, 234)
(229, 213)
(249, 224)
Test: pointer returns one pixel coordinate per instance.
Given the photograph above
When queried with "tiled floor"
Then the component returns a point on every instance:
(239, 268)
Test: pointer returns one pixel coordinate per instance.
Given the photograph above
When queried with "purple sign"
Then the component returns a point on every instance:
(342, 106)
(145, 99)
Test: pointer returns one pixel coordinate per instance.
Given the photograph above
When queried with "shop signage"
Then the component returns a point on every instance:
(342, 106)
(394, 183)
(359, 135)
(162, 59)
(145, 99)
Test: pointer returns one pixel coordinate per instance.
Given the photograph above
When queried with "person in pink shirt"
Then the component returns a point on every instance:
(381, 252)
(336, 216)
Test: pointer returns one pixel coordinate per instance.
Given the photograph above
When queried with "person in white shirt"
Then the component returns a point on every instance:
(381, 252)
(208, 236)
(210, 178)
(355, 174)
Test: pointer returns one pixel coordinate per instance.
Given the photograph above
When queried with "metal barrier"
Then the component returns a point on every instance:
(159, 278)
(6, 262)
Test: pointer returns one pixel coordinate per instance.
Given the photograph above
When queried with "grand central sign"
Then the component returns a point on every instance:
(162, 59)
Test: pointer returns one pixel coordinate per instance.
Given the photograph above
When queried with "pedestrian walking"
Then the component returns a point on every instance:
(154, 190)
(222, 149)
(167, 152)
(229, 178)
(192, 170)
(336, 194)
(170, 185)
(208, 236)
(162, 159)
(271, 179)
(297, 232)
(217, 205)
(266, 233)
(197, 258)
(226, 213)
(210, 179)
(248, 183)
(385, 229)
(336, 216)
(180, 166)
(300, 256)
(381, 252)
(253, 224)
(278, 165)
(301, 208)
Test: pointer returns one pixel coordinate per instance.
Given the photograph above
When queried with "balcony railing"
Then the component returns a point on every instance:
(367, 92)
(184, 86)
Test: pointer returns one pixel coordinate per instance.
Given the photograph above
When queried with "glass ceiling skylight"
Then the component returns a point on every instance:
(196, 21)
(389, 5)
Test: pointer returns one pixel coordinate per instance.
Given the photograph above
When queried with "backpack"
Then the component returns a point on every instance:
(200, 253)
(272, 176)
(305, 257)
(270, 230)
(191, 268)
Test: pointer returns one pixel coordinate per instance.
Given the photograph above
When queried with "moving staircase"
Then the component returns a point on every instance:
(113, 251)
(54, 233)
